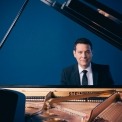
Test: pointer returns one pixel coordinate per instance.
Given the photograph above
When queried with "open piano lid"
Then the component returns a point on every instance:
(94, 16)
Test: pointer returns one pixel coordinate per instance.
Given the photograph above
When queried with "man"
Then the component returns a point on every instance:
(95, 74)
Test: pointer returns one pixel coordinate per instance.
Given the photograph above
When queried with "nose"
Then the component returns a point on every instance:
(83, 55)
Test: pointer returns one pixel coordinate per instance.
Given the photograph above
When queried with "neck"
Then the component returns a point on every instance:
(84, 67)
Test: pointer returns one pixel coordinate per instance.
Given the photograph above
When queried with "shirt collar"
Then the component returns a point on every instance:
(81, 69)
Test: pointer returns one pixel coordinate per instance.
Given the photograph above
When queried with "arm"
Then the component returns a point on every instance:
(105, 76)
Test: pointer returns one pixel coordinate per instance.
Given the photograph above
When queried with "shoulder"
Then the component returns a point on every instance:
(71, 68)
(100, 66)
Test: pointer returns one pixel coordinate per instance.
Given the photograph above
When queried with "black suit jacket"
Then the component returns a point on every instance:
(101, 75)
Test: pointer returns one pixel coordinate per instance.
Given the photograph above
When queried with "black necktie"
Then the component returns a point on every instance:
(84, 78)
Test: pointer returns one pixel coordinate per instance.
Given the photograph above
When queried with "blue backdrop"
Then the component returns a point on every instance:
(41, 42)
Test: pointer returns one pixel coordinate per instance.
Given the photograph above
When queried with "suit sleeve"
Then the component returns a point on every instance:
(110, 79)
(105, 76)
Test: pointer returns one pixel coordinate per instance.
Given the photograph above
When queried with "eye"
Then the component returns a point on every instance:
(80, 52)
(88, 52)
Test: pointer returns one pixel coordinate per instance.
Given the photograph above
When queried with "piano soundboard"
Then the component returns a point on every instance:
(69, 104)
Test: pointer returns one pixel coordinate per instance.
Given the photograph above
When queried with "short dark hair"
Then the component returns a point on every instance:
(82, 41)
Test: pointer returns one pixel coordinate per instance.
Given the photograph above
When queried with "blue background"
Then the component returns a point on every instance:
(41, 42)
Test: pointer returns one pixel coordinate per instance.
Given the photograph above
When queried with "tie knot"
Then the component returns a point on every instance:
(84, 71)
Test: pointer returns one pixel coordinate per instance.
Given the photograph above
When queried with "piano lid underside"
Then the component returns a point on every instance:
(94, 16)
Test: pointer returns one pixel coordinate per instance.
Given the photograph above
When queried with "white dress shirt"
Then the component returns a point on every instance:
(89, 74)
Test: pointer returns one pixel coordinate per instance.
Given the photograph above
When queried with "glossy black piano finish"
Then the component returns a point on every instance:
(94, 16)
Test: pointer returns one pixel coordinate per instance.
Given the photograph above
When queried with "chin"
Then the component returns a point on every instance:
(85, 65)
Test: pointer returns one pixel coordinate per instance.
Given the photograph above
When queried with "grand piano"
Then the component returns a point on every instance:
(83, 104)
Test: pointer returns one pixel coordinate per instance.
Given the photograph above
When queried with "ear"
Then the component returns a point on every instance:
(92, 53)
(74, 53)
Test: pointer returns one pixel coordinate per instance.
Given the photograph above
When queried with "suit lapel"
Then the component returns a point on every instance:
(95, 78)
(75, 76)
(95, 75)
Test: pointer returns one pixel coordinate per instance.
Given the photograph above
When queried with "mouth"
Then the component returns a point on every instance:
(83, 60)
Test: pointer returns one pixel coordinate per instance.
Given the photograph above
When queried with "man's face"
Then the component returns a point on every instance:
(83, 55)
